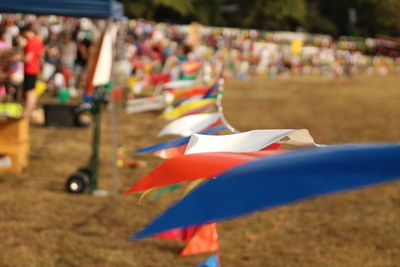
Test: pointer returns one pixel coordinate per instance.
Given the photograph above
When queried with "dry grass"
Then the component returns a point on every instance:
(41, 225)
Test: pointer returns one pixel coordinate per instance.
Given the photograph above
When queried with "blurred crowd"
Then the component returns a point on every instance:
(49, 49)
(56, 50)
(246, 53)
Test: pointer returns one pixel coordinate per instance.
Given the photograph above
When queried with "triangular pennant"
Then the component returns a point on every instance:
(179, 141)
(186, 168)
(188, 125)
(170, 153)
(204, 240)
(179, 234)
(242, 142)
(184, 108)
(212, 107)
(197, 91)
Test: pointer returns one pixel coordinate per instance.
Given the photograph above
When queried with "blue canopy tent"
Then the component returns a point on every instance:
(73, 8)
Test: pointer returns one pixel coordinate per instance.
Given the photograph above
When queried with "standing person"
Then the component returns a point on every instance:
(4, 44)
(82, 56)
(32, 53)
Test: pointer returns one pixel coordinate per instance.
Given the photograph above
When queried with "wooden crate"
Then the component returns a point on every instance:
(19, 155)
(14, 131)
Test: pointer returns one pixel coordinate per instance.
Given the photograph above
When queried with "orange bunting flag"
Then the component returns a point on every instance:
(171, 152)
(197, 91)
(204, 240)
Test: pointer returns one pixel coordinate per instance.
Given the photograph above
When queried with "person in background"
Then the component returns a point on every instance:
(32, 53)
(82, 56)
(52, 56)
(4, 44)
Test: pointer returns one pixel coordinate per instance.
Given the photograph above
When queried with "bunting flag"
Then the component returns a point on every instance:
(197, 91)
(179, 234)
(102, 72)
(199, 238)
(190, 67)
(184, 108)
(159, 78)
(212, 107)
(212, 91)
(146, 104)
(190, 124)
(280, 180)
(212, 261)
(180, 84)
(244, 142)
(205, 239)
(182, 102)
(195, 166)
(179, 141)
(170, 153)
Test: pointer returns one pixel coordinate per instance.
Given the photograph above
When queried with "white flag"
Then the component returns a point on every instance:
(102, 73)
(244, 142)
(190, 124)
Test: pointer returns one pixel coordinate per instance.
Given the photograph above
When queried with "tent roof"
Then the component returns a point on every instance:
(73, 8)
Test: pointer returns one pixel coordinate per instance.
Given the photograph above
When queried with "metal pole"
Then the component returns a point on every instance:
(114, 141)
(114, 124)
(94, 162)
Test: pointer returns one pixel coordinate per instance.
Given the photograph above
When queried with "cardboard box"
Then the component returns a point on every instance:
(14, 131)
(17, 154)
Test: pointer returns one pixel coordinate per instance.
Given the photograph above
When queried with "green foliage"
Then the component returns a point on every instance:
(324, 25)
(183, 7)
(147, 8)
(320, 16)
(208, 12)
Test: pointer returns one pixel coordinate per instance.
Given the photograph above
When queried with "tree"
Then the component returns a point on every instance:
(271, 14)
(338, 17)
(147, 8)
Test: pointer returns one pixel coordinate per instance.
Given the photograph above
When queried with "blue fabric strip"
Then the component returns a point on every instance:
(179, 141)
(280, 180)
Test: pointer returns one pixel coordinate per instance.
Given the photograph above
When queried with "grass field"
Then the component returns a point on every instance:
(42, 225)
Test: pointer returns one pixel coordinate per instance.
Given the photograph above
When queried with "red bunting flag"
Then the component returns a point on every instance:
(195, 166)
(179, 234)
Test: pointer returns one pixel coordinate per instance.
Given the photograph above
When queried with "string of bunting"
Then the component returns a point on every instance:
(250, 163)
(191, 111)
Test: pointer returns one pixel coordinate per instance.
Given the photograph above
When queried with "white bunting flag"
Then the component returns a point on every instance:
(190, 124)
(245, 142)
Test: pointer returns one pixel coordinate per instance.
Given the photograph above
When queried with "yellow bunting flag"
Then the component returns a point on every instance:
(185, 108)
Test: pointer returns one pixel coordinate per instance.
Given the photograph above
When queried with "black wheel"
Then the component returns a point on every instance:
(87, 171)
(78, 183)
